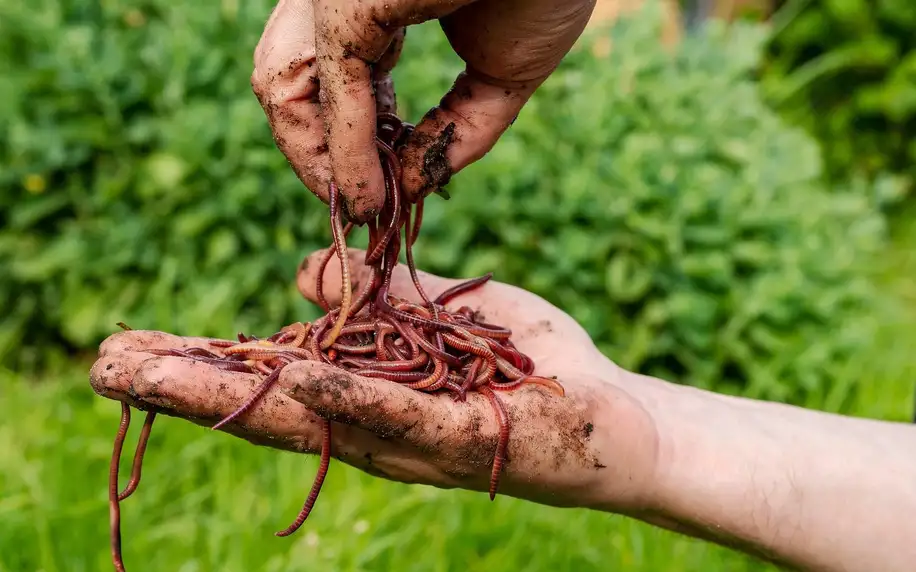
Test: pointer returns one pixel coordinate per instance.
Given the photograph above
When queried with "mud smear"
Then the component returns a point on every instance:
(436, 169)
(540, 328)
(367, 409)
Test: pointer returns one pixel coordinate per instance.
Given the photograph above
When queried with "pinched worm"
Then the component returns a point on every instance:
(346, 287)
(420, 345)
(325, 259)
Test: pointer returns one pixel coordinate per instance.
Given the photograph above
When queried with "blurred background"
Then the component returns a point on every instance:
(721, 192)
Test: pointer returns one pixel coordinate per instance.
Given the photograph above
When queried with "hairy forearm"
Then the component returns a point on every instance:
(807, 489)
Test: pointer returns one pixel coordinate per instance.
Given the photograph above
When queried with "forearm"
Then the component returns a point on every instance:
(804, 488)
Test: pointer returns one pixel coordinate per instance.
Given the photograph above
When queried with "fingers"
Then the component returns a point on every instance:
(285, 80)
(112, 374)
(401, 282)
(391, 411)
(196, 390)
(469, 120)
(349, 104)
(351, 36)
(140, 340)
(204, 394)
(122, 354)
(510, 48)
(287, 84)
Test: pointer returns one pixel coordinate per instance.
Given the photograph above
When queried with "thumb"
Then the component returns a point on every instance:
(325, 265)
(432, 423)
(469, 120)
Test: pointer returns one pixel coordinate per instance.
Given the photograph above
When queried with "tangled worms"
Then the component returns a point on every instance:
(372, 333)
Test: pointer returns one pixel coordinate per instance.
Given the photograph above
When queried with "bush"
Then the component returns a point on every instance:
(140, 181)
(846, 70)
(659, 200)
(653, 195)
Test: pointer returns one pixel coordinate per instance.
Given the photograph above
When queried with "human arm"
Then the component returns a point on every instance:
(803, 488)
(812, 490)
(322, 73)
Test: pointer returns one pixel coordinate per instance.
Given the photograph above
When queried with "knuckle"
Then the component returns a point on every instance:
(294, 81)
(353, 29)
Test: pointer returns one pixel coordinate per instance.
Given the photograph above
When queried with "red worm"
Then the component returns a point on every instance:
(319, 480)
(397, 376)
(551, 384)
(322, 265)
(137, 468)
(114, 508)
(225, 364)
(499, 408)
(461, 289)
(469, 379)
(249, 403)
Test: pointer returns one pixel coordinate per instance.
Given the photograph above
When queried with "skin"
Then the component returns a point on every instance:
(806, 489)
(322, 72)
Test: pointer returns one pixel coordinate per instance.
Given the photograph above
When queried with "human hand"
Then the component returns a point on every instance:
(322, 74)
(594, 447)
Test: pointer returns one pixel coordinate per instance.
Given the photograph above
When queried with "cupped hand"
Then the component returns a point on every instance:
(594, 447)
(322, 73)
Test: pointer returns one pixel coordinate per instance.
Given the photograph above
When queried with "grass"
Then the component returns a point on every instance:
(209, 501)
(212, 502)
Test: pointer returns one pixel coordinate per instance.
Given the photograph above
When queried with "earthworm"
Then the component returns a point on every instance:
(297, 328)
(469, 379)
(258, 393)
(114, 508)
(345, 286)
(550, 383)
(322, 264)
(115, 498)
(225, 364)
(418, 220)
(503, 417)
(462, 288)
(319, 480)
(137, 467)
(397, 376)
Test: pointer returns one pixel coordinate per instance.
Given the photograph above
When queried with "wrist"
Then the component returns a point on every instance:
(624, 435)
(794, 486)
(722, 472)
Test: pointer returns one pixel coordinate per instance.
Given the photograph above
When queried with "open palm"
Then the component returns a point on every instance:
(562, 450)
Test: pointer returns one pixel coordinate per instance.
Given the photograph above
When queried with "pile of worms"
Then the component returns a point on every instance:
(371, 333)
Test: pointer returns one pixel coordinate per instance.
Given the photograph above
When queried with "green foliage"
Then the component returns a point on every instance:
(654, 196)
(139, 179)
(659, 200)
(846, 70)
